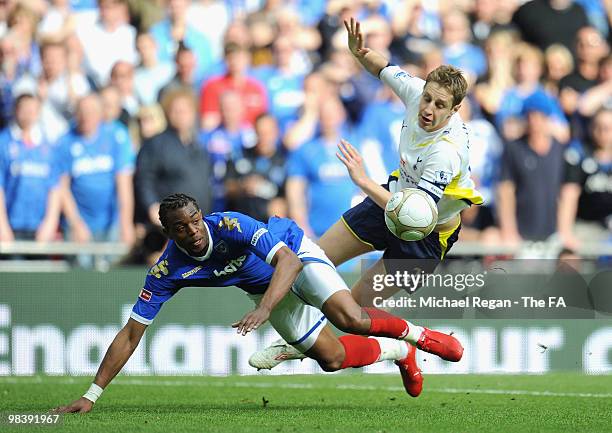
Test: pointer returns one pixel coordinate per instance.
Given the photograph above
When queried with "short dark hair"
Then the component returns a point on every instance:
(173, 202)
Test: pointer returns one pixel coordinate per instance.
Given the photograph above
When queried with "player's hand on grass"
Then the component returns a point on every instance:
(252, 320)
(82, 405)
(355, 38)
(353, 162)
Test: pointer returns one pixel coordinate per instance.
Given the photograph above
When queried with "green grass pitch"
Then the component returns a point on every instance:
(352, 403)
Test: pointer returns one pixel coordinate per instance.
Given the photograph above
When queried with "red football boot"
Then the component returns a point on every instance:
(445, 346)
(411, 373)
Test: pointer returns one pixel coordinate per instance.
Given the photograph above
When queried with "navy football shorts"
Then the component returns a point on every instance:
(367, 223)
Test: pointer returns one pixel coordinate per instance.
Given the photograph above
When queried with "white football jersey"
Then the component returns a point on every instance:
(437, 161)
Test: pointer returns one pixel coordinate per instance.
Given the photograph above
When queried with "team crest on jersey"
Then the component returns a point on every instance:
(230, 224)
(145, 295)
(221, 247)
(161, 268)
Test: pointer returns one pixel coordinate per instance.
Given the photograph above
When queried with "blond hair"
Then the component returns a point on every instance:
(450, 78)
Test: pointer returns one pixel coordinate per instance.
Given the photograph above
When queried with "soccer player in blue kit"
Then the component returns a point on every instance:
(291, 281)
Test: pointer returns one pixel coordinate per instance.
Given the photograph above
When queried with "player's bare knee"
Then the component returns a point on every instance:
(332, 361)
(350, 322)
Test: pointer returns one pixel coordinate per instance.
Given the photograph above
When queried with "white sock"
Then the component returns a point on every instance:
(391, 349)
(414, 333)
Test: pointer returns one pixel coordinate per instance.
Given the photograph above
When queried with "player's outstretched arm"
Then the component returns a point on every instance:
(287, 266)
(353, 162)
(372, 61)
(116, 356)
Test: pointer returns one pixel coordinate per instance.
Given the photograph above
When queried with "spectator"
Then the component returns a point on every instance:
(490, 88)
(379, 130)
(486, 148)
(56, 85)
(252, 92)
(590, 49)
(414, 30)
(558, 64)
(528, 71)
(599, 96)
(585, 204)
(227, 142)
(29, 184)
(212, 18)
(175, 29)
(530, 180)
(546, 22)
(111, 106)
(316, 89)
(122, 77)
(487, 18)
(107, 40)
(458, 51)
(58, 22)
(9, 74)
(151, 75)
(285, 85)
(151, 121)
(22, 23)
(145, 13)
(185, 77)
(318, 187)
(97, 164)
(256, 180)
(174, 160)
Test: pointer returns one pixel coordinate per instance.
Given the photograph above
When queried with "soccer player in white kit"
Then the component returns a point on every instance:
(433, 156)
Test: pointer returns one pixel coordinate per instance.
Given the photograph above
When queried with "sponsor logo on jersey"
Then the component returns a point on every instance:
(232, 266)
(230, 224)
(259, 233)
(191, 272)
(161, 268)
(145, 295)
(400, 74)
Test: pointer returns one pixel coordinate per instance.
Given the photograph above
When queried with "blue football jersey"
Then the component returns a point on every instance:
(239, 253)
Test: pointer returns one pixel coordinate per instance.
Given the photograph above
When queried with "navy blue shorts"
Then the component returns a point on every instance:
(367, 222)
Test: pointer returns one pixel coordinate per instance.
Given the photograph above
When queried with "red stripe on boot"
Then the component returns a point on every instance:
(359, 351)
(383, 324)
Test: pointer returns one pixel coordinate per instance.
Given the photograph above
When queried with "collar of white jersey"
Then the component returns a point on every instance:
(208, 250)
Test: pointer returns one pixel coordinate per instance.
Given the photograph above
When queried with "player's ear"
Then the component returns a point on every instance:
(455, 108)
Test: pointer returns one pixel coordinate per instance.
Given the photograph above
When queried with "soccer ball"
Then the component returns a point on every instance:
(411, 214)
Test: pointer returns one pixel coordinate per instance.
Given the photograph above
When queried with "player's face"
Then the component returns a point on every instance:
(186, 228)
(435, 107)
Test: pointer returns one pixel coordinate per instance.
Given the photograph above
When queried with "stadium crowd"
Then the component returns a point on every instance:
(109, 105)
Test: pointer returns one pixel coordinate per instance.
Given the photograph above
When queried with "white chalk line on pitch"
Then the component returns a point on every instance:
(153, 382)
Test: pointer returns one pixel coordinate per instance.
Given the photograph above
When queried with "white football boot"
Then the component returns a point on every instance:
(274, 354)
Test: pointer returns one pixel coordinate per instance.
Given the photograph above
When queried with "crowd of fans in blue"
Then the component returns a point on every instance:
(109, 105)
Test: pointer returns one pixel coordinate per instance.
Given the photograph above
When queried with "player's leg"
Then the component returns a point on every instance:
(341, 245)
(334, 353)
(363, 290)
(320, 285)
